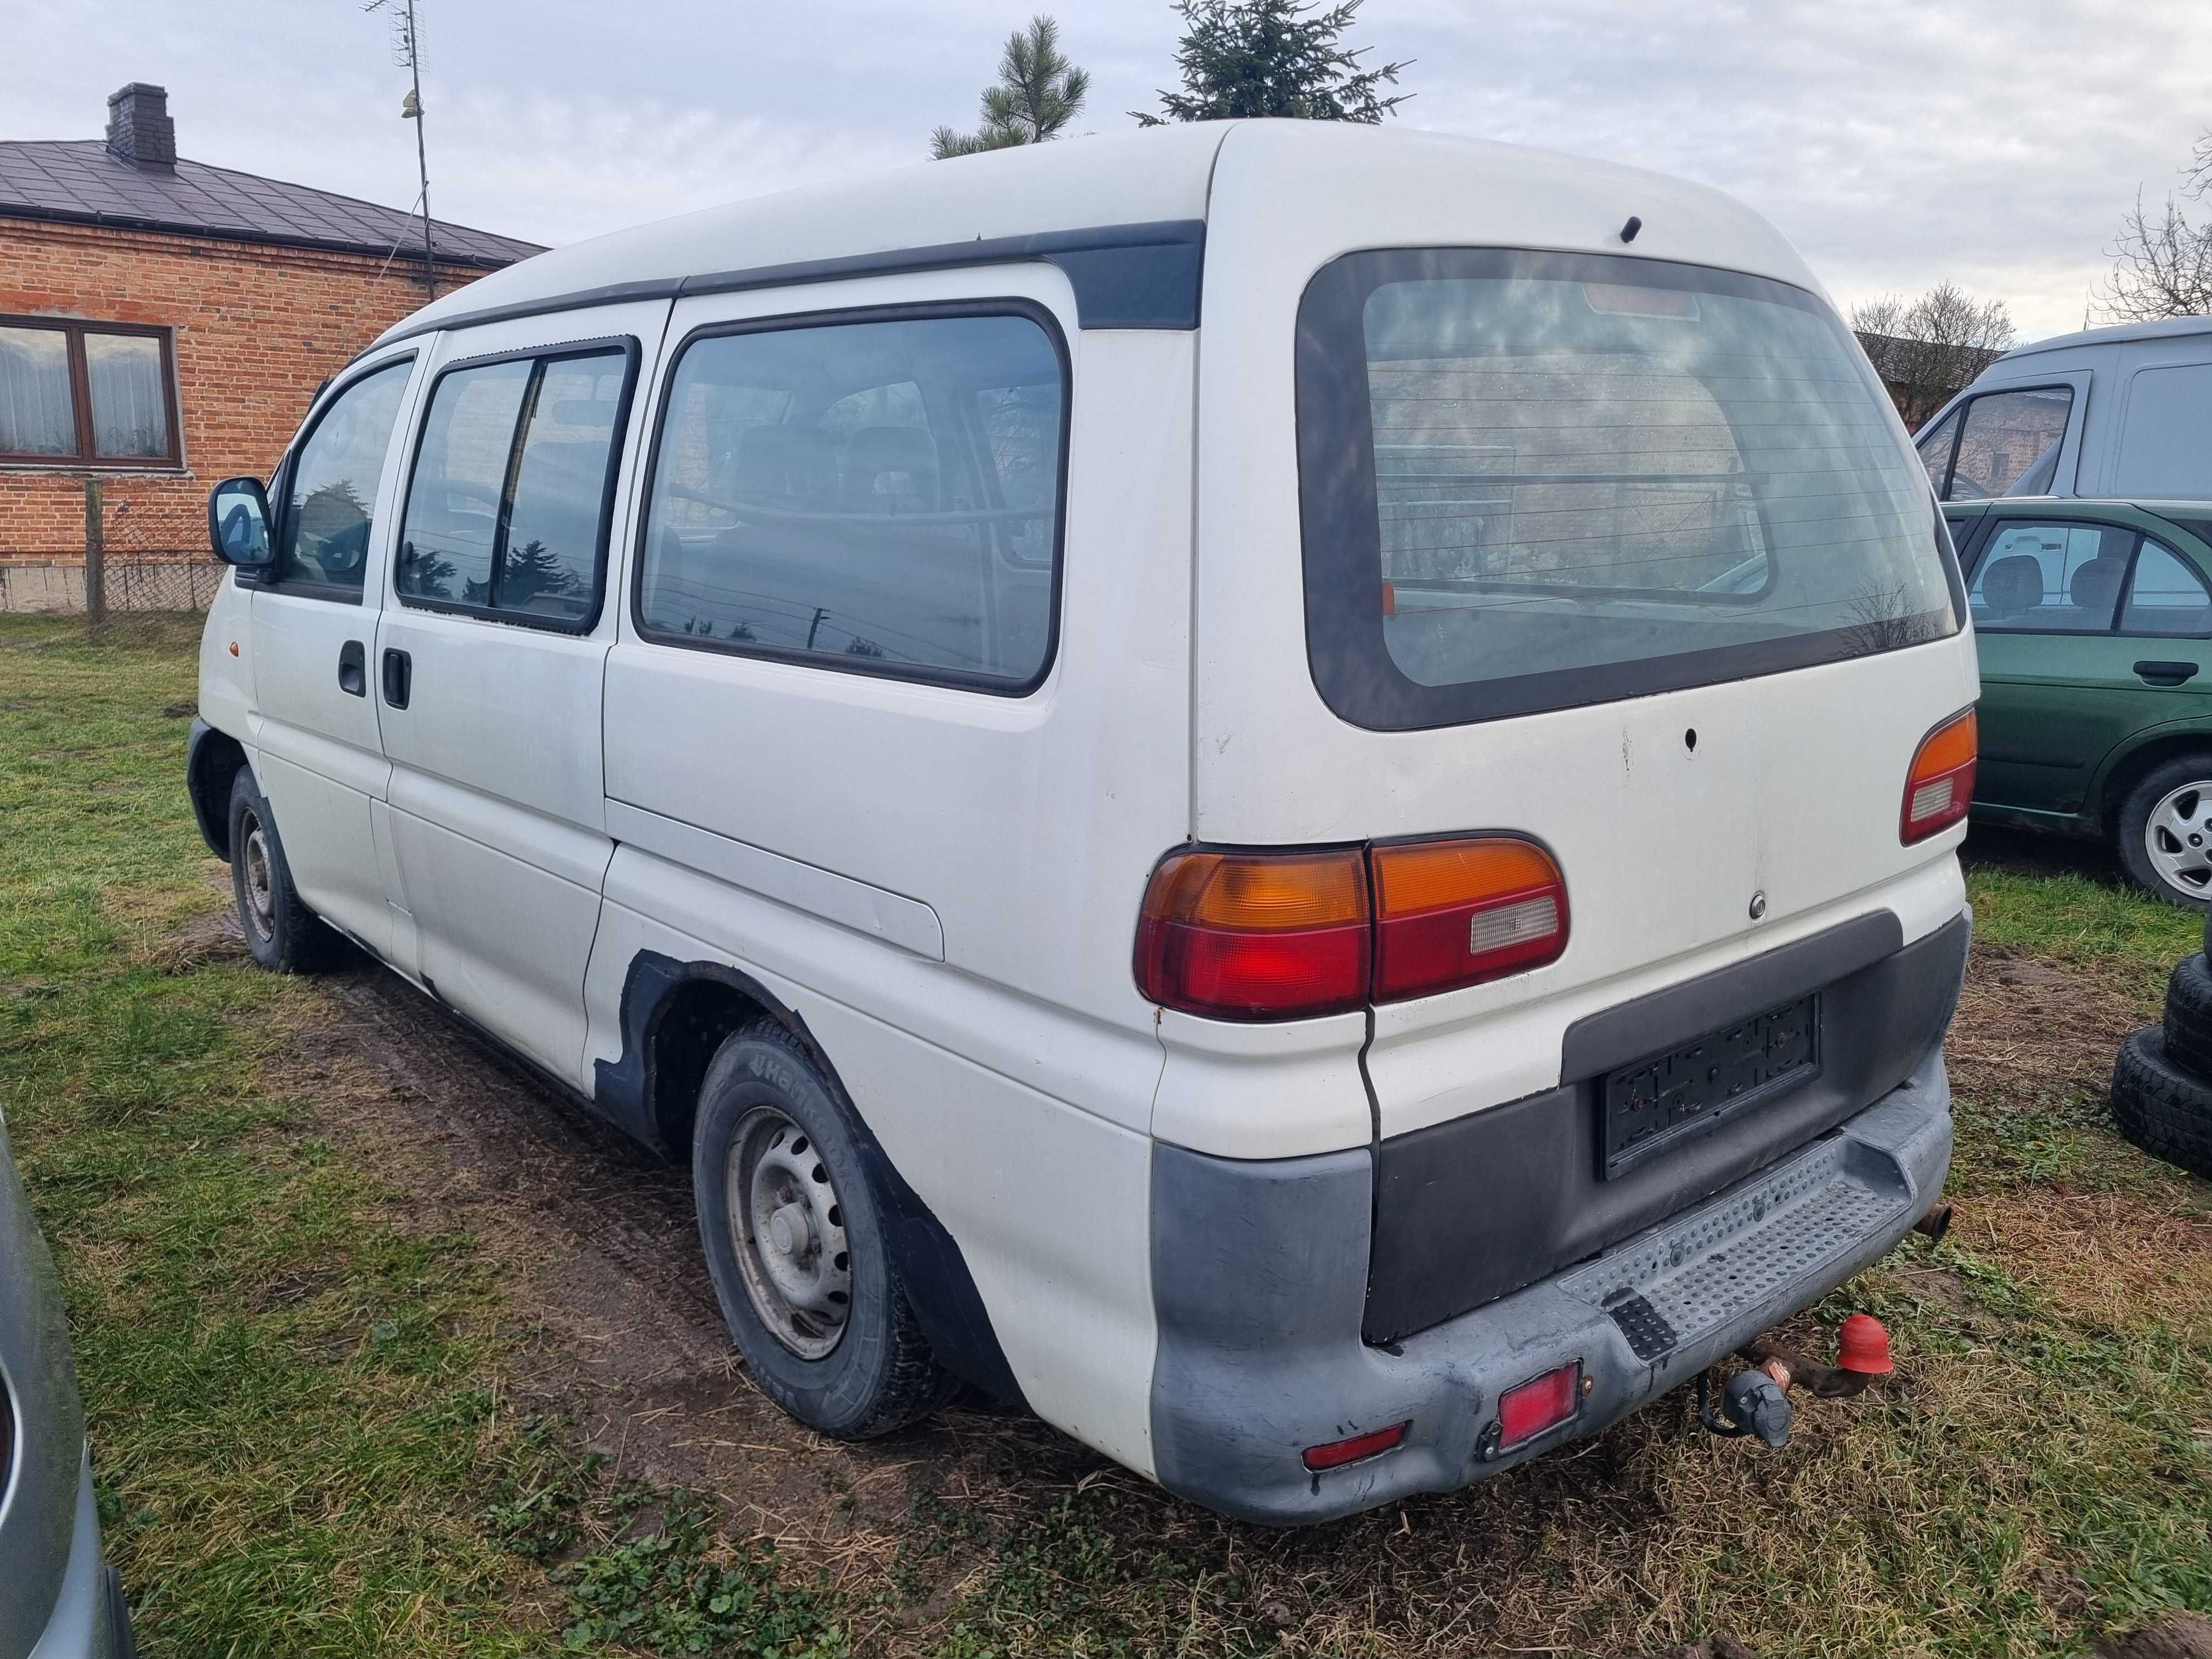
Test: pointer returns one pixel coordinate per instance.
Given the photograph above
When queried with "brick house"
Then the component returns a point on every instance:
(163, 325)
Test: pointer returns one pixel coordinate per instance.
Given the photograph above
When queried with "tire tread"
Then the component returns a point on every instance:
(2160, 1107)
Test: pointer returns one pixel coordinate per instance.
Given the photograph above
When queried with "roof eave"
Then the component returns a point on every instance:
(270, 239)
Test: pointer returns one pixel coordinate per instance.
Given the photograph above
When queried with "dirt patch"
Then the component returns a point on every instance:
(2177, 1636)
(2027, 1029)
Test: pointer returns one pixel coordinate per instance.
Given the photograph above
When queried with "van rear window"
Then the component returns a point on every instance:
(1533, 481)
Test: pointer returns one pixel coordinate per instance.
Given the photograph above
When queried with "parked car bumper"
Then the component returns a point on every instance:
(89, 1619)
(1261, 1357)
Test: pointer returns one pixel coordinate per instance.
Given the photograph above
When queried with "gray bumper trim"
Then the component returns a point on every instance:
(1259, 1276)
(84, 1624)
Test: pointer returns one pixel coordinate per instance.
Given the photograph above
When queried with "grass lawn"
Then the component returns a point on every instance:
(300, 1373)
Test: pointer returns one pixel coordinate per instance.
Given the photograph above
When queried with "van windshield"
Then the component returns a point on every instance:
(1531, 481)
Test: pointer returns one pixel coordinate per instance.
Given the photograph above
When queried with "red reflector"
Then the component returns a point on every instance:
(1255, 935)
(1543, 1403)
(1941, 785)
(1338, 1453)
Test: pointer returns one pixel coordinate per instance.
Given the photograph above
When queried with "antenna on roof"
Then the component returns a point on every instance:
(406, 51)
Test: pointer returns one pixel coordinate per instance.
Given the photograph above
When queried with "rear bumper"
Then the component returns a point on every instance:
(1260, 1278)
(89, 1620)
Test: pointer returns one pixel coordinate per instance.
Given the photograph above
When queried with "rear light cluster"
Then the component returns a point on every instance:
(1293, 935)
(1941, 785)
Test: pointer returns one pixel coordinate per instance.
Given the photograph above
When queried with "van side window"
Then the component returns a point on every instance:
(2166, 595)
(882, 496)
(2009, 443)
(2165, 443)
(507, 509)
(2051, 578)
(1935, 447)
(329, 499)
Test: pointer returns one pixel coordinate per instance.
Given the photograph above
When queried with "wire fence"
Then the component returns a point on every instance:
(149, 576)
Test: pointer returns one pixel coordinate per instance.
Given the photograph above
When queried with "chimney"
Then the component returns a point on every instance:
(139, 130)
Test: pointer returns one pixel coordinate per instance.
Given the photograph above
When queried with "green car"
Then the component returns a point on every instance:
(2094, 623)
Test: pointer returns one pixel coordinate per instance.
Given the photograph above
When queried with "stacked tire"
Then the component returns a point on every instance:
(2162, 1080)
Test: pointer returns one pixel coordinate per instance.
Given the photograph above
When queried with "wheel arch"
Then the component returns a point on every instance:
(2128, 765)
(675, 1016)
(212, 759)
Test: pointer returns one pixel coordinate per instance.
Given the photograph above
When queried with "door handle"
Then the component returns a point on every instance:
(2166, 673)
(353, 669)
(398, 677)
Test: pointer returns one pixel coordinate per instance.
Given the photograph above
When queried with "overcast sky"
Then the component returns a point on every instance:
(1899, 142)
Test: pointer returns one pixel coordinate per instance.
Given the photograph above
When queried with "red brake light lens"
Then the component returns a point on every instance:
(1941, 785)
(1453, 913)
(1338, 1453)
(1542, 1403)
(1255, 935)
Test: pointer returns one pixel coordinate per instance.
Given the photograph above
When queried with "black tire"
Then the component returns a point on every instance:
(2160, 1107)
(283, 934)
(2187, 777)
(876, 1373)
(2189, 1018)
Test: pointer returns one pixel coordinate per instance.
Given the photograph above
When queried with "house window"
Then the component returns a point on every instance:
(86, 394)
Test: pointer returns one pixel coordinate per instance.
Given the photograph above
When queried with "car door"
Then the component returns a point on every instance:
(2064, 680)
(318, 756)
(490, 663)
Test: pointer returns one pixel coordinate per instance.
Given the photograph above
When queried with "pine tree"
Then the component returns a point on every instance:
(1039, 92)
(1273, 57)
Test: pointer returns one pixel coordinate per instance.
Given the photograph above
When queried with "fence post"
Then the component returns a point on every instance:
(95, 556)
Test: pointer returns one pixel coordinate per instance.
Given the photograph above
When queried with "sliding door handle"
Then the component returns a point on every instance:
(398, 677)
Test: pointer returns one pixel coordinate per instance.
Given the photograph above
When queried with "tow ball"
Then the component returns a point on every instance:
(1756, 1402)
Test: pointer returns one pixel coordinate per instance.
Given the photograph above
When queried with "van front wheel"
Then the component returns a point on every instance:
(796, 1245)
(281, 931)
(2165, 831)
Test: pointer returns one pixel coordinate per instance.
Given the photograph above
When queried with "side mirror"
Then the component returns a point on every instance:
(238, 524)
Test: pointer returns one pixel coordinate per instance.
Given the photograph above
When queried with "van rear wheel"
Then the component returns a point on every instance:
(2164, 832)
(795, 1244)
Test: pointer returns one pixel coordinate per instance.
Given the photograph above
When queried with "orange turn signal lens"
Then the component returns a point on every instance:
(1941, 785)
(1453, 913)
(1255, 935)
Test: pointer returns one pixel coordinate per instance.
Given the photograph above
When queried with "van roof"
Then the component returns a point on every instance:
(2165, 328)
(1156, 178)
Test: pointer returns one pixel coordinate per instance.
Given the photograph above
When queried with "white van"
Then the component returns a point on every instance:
(2124, 412)
(1287, 791)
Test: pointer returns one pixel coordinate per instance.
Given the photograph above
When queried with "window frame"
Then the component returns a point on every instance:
(1963, 409)
(838, 663)
(1347, 656)
(2113, 630)
(280, 488)
(73, 331)
(609, 491)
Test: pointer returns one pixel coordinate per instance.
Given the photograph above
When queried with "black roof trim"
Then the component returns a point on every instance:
(1139, 276)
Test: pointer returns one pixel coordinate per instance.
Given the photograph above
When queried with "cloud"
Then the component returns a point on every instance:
(1898, 142)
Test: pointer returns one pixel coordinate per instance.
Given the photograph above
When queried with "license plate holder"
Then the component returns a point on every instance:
(1663, 1100)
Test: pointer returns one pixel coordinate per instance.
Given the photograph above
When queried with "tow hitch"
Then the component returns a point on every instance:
(1757, 1400)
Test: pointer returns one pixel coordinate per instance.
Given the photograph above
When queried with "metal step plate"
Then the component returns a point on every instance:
(1704, 1268)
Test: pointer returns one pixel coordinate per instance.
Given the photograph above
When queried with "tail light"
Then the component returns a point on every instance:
(1293, 935)
(1256, 935)
(1941, 785)
(1539, 1404)
(1453, 913)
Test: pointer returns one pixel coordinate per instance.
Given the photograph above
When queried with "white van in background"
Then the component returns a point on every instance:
(2122, 412)
(1286, 790)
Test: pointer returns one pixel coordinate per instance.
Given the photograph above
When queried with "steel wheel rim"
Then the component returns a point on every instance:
(260, 881)
(2177, 839)
(789, 1231)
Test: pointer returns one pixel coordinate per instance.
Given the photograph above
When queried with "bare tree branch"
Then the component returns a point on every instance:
(1926, 348)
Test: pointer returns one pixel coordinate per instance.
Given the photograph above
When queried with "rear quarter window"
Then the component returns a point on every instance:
(1533, 480)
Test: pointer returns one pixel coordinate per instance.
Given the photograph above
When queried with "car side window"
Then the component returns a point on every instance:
(508, 506)
(881, 496)
(2062, 578)
(2008, 444)
(1935, 447)
(2166, 595)
(329, 507)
